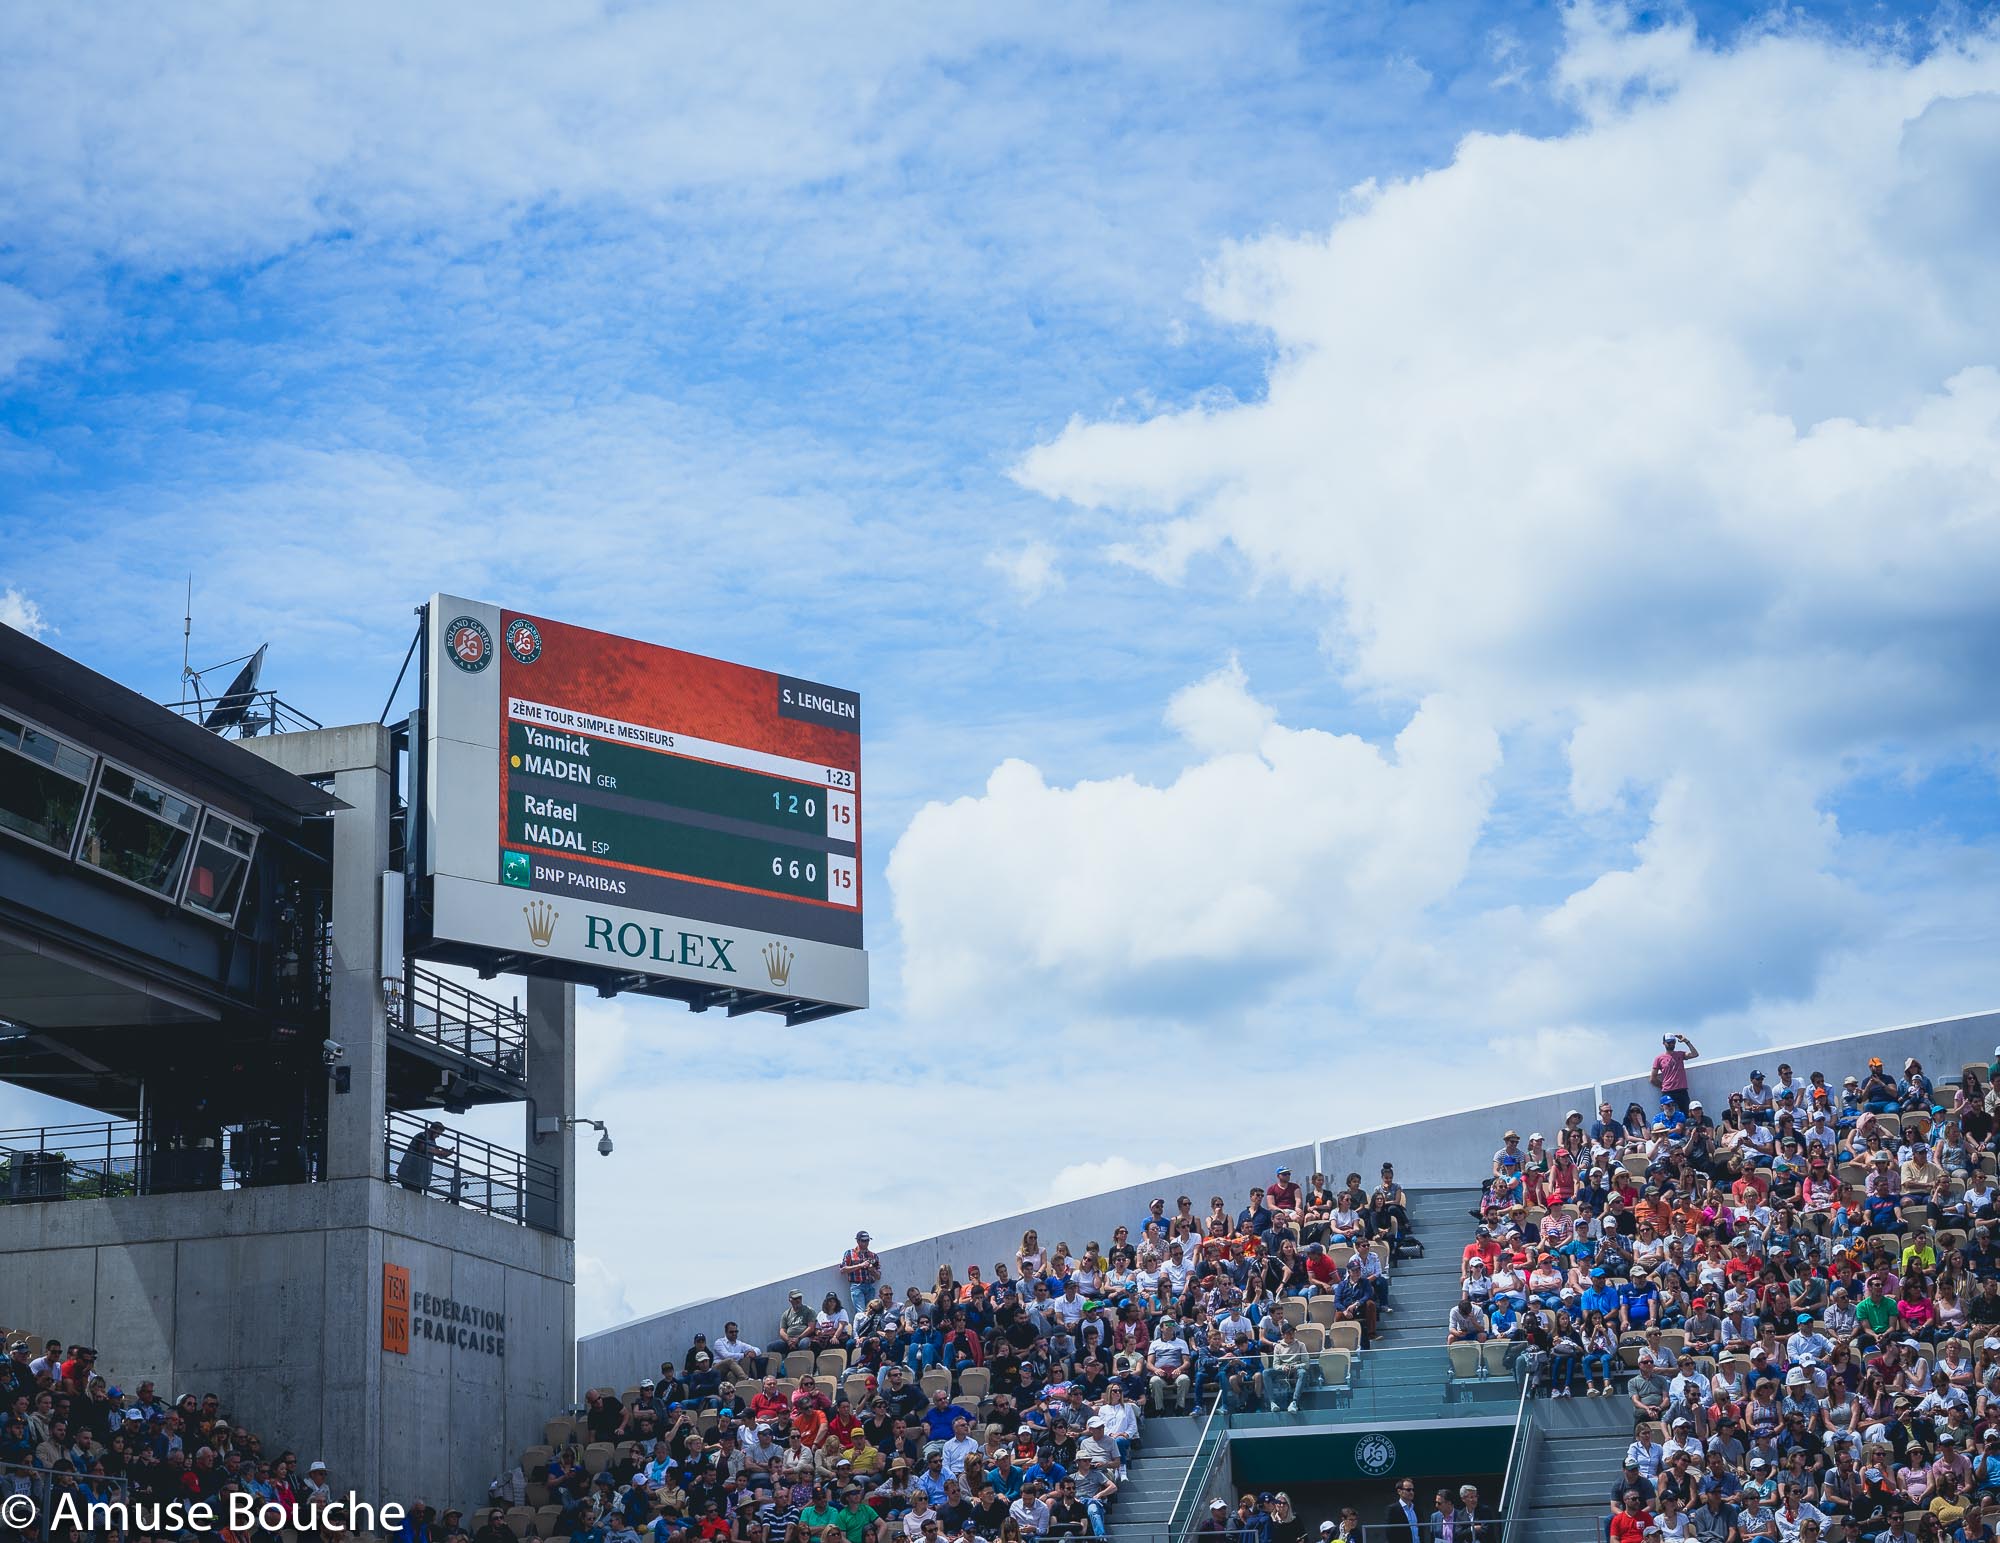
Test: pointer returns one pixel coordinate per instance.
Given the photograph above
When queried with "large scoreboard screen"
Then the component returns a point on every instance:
(641, 810)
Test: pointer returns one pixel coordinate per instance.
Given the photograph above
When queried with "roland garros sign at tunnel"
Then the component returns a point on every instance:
(630, 808)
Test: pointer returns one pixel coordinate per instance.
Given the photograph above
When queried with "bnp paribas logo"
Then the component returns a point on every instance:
(777, 963)
(542, 919)
(517, 869)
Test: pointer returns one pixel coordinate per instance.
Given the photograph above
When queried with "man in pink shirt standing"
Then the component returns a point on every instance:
(1670, 1068)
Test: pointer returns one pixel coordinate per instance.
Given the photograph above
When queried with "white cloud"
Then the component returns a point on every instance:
(601, 1294)
(1219, 715)
(1106, 1173)
(21, 613)
(1281, 849)
(1676, 438)
(1030, 569)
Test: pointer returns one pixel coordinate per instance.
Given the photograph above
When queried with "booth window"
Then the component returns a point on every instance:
(221, 866)
(139, 832)
(43, 782)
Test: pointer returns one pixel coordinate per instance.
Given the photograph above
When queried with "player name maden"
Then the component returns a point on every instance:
(550, 766)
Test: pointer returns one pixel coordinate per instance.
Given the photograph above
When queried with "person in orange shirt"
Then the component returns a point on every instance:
(810, 1424)
(1485, 1246)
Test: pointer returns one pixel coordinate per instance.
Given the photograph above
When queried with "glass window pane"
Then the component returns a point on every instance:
(10, 731)
(150, 797)
(215, 883)
(133, 844)
(38, 802)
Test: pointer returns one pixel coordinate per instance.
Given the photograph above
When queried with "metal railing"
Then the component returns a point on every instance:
(460, 1020)
(256, 712)
(465, 1171)
(1525, 1449)
(70, 1162)
(1208, 1450)
(111, 1159)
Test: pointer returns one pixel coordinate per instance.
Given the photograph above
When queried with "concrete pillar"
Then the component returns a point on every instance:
(551, 1078)
(359, 758)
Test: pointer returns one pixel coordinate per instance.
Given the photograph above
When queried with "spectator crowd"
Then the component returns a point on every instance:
(1796, 1293)
(1005, 1405)
(66, 1429)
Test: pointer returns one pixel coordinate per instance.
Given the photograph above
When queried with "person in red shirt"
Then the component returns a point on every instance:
(1485, 1247)
(1319, 1266)
(1284, 1196)
(767, 1405)
(1630, 1521)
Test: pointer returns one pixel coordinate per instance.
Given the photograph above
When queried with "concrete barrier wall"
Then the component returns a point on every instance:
(617, 1358)
(1943, 1045)
(1446, 1151)
(272, 1299)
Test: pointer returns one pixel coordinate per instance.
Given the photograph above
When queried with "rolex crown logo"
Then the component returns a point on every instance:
(542, 918)
(778, 962)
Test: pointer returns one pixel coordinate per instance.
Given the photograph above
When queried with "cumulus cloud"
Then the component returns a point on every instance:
(21, 613)
(1675, 439)
(1277, 849)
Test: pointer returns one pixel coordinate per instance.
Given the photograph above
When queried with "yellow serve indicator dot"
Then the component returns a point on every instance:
(516, 762)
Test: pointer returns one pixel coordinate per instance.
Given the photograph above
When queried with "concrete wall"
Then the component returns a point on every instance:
(1446, 1151)
(1943, 1045)
(619, 1357)
(1441, 1151)
(272, 1298)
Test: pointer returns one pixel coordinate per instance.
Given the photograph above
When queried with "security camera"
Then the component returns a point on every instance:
(604, 1144)
(332, 1051)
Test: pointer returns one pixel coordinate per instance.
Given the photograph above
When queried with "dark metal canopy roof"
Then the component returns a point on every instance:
(35, 671)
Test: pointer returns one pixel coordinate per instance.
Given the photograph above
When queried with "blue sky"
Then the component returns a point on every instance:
(1450, 532)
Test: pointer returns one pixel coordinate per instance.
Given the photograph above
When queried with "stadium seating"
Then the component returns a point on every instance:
(1010, 1367)
(78, 1395)
(1828, 1235)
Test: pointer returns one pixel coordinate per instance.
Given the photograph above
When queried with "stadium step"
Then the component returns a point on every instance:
(1422, 1290)
(1582, 1445)
(1145, 1501)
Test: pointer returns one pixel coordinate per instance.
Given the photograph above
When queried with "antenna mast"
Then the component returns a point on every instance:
(187, 631)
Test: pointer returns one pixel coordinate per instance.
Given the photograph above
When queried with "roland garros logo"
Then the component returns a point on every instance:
(469, 644)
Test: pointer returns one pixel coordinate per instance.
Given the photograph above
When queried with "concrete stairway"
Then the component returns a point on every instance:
(1582, 1442)
(1146, 1500)
(1422, 1290)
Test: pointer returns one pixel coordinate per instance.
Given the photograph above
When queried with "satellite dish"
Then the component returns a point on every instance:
(233, 706)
